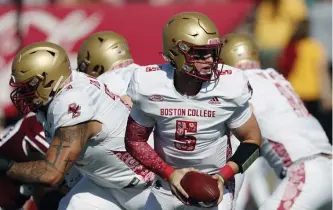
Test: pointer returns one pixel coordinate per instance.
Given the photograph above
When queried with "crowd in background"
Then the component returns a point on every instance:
(294, 37)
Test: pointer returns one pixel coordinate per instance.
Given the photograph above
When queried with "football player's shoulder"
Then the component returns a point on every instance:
(133, 66)
(263, 81)
(231, 82)
(256, 74)
(121, 73)
(262, 75)
(69, 95)
(156, 71)
(70, 107)
(271, 70)
(148, 77)
(109, 75)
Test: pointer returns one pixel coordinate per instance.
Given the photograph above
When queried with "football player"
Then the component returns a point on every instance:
(85, 125)
(109, 50)
(294, 143)
(192, 103)
(107, 55)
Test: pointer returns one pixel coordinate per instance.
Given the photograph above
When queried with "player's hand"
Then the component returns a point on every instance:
(176, 188)
(220, 183)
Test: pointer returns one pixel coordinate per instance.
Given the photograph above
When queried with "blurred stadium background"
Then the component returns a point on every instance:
(294, 36)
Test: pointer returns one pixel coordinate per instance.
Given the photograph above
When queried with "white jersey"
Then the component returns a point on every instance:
(118, 80)
(104, 160)
(283, 118)
(190, 131)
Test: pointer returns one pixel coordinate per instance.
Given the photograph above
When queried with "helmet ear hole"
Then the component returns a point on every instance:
(102, 69)
(98, 69)
(95, 69)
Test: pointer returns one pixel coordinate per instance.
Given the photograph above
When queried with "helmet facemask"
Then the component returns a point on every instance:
(199, 54)
(25, 96)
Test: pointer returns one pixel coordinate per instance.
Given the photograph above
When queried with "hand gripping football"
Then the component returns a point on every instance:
(202, 189)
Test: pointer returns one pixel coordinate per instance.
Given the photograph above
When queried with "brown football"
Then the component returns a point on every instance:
(202, 189)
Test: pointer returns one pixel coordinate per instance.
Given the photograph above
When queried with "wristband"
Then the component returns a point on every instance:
(245, 155)
(226, 172)
(166, 173)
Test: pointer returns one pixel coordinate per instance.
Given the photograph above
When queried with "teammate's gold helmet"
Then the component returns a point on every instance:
(239, 50)
(188, 37)
(38, 71)
(102, 51)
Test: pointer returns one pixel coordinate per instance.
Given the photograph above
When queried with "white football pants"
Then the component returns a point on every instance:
(86, 195)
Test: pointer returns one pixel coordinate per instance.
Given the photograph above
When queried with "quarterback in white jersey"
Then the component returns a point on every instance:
(294, 143)
(85, 125)
(192, 103)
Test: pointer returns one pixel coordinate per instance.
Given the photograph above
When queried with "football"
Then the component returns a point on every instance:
(202, 189)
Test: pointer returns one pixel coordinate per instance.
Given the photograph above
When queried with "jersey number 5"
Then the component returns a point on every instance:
(185, 142)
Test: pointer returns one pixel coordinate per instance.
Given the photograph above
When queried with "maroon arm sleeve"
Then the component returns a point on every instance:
(136, 144)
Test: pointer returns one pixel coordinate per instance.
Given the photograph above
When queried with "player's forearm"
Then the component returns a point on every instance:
(244, 156)
(136, 144)
(147, 156)
(35, 172)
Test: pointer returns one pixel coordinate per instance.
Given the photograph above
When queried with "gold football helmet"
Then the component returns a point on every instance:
(103, 51)
(189, 37)
(39, 71)
(239, 50)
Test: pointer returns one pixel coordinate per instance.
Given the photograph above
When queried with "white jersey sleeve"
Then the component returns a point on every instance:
(238, 98)
(73, 108)
(137, 113)
(133, 89)
(240, 116)
(118, 80)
